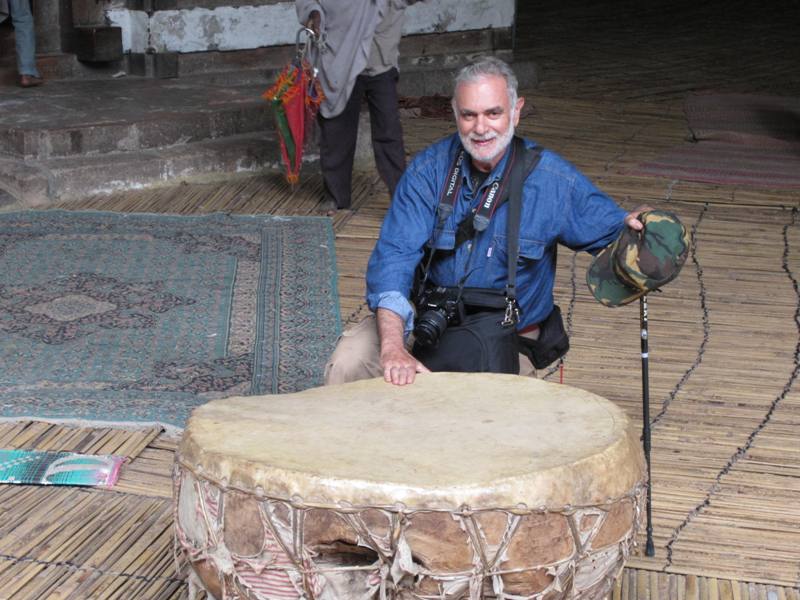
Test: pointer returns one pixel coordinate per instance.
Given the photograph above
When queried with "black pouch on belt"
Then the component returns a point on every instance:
(483, 341)
(553, 342)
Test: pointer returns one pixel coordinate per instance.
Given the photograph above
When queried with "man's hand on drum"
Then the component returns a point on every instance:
(399, 366)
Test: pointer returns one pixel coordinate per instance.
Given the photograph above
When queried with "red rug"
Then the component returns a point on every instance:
(729, 164)
(755, 120)
(738, 139)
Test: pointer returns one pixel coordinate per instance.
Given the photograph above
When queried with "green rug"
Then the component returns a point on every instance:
(138, 318)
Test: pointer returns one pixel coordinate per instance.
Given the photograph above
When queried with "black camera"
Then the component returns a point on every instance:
(437, 308)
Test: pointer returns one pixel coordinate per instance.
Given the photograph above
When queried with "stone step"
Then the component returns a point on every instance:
(8, 75)
(75, 118)
(429, 55)
(257, 78)
(40, 183)
(66, 66)
(256, 65)
(9, 202)
(7, 48)
(417, 78)
(427, 62)
(8, 54)
(22, 185)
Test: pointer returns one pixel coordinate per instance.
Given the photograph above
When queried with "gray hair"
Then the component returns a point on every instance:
(487, 66)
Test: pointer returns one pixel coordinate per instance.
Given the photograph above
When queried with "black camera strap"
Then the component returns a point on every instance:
(522, 169)
(452, 187)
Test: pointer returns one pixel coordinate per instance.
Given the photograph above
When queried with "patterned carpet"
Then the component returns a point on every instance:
(139, 318)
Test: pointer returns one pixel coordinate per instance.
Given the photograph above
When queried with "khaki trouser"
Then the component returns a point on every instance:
(357, 354)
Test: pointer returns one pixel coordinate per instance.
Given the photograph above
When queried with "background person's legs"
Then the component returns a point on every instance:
(387, 132)
(24, 36)
(337, 149)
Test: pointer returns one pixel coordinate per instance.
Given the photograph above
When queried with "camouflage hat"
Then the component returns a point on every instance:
(638, 262)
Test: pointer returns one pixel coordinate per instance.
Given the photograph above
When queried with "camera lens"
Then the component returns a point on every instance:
(430, 327)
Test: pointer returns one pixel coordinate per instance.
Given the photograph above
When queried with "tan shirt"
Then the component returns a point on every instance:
(384, 50)
(361, 36)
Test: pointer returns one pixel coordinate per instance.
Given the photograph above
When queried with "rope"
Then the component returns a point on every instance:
(389, 566)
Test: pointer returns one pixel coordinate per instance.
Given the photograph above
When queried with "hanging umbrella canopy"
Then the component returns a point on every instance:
(295, 97)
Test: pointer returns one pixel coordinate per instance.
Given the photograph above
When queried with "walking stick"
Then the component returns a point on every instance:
(649, 547)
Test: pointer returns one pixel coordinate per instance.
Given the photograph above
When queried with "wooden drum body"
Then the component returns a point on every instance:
(460, 486)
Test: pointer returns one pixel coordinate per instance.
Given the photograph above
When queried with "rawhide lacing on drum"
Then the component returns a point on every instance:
(375, 560)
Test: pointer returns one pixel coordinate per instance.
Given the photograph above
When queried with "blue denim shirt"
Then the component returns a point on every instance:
(560, 205)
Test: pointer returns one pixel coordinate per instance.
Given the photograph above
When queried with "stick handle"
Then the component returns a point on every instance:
(649, 547)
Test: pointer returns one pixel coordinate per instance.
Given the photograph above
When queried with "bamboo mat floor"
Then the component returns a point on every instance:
(724, 337)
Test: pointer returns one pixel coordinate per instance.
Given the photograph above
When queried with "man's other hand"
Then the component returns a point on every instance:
(632, 218)
(314, 20)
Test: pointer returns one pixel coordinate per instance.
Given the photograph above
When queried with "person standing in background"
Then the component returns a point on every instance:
(25, 39)
(358, 60)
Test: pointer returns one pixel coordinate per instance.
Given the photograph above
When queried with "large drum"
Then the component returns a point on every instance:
(460, 486)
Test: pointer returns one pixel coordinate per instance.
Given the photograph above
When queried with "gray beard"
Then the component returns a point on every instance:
(504, 139)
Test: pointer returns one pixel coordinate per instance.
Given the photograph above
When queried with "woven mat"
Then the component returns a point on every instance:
(724, 368)
(139, 318)
(739, 139)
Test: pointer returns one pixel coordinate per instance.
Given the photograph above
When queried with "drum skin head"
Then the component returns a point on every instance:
(447, 440)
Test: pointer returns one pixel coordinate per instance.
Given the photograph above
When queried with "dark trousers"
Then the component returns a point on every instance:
(338, 137)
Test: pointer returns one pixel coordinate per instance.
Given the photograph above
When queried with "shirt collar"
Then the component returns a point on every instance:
(494, 174)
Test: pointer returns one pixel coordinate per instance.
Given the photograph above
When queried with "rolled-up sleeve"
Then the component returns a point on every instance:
(400, 305)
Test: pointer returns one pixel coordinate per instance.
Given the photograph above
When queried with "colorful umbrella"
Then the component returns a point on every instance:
(295, 98)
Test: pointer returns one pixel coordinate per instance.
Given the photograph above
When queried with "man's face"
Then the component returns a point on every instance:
(485, 119)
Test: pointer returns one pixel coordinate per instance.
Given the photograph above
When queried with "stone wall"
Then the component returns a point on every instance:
(88, 13)
(184, 26)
